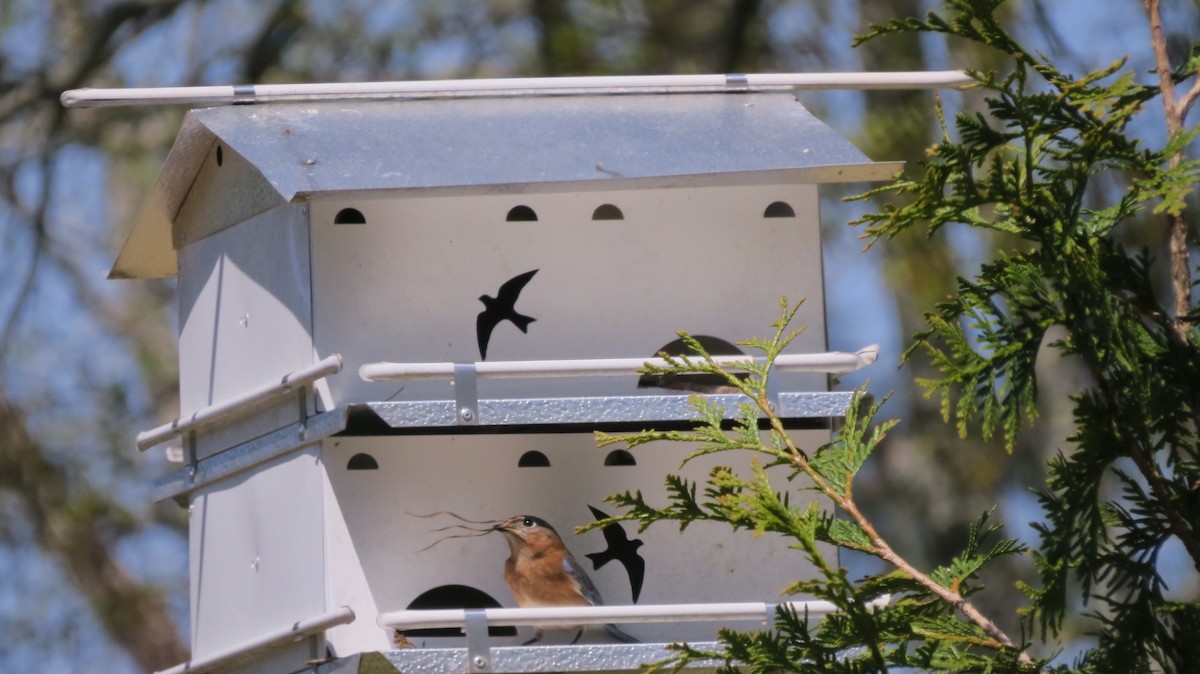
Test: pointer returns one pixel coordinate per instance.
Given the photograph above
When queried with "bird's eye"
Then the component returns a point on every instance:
(528, 522)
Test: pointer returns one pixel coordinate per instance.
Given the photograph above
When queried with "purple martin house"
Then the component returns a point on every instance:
(391, 308)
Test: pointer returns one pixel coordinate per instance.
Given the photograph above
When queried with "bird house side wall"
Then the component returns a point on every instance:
(245, 319)
(256, 552)
(226, 190)
(408, 278)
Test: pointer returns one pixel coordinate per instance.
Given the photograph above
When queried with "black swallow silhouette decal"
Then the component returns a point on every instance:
(500, 308)
(624, 551)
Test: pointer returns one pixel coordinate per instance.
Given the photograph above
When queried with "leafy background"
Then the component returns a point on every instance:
(93, 573)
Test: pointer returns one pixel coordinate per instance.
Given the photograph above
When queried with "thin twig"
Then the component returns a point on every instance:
(39, 229)
(1185, 103)
(476, 532)
(881, 548)
(456, 516)
(1174, 111)
(1181, 277)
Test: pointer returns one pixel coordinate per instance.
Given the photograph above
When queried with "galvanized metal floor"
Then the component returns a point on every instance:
(513, 659)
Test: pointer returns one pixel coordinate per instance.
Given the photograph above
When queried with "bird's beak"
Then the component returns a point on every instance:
(509, 526)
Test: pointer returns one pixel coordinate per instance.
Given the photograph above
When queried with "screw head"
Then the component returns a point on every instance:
(466, 413)
(480, 662)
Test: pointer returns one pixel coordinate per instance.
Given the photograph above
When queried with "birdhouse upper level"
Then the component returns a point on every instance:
(378, 230)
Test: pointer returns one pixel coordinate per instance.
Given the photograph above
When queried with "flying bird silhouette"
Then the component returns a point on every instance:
(622, 549)
(500, 308)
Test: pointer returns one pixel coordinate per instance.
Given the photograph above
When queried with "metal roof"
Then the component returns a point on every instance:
(519, 143)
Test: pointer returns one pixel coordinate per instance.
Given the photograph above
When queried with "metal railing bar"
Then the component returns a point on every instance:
(295, 632)
(262, 93)
(240, 404)
(832, 362)
(599, 615)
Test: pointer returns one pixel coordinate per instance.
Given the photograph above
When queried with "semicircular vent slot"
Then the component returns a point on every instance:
(533, 459)
(620, 457)
(779, 209)
(607, 212)
(696, 383)
(349, 216)
(455, 596)
(521, 214)
(362, 461)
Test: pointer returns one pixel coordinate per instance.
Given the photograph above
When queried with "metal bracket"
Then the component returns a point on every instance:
(466, 395)
(183, 481)
(242, 404)
(243, 94)
(479, 654)
(302, 399)
(192, 460)
(773, 392)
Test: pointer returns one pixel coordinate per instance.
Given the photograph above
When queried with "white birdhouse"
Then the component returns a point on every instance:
(394, 308)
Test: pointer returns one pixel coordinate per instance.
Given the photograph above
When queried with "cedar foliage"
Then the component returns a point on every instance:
(1127, 482)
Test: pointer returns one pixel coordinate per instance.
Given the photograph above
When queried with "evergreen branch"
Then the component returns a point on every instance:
(755, 505)
(1027, 168)
(1182, 528)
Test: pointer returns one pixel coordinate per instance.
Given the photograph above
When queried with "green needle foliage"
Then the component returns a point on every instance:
(1128, 482)
(901, 617)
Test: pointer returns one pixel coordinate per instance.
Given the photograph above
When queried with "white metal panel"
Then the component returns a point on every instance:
(148, 251)
(256, 553)
(376, 563)
(489, 144)
(405, 286)
(227, 190)
(346, 583)
(245, 317)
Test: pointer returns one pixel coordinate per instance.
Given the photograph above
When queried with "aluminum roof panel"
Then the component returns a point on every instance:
(346, 145)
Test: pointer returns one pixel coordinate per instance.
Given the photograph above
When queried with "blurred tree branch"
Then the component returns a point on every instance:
(1176, 110)
(80, 528)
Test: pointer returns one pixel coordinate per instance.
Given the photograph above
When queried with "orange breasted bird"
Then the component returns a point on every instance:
(542, 572)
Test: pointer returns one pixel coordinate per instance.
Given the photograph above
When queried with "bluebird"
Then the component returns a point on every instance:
(542, 572)
(622, 549)
(502, 307)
